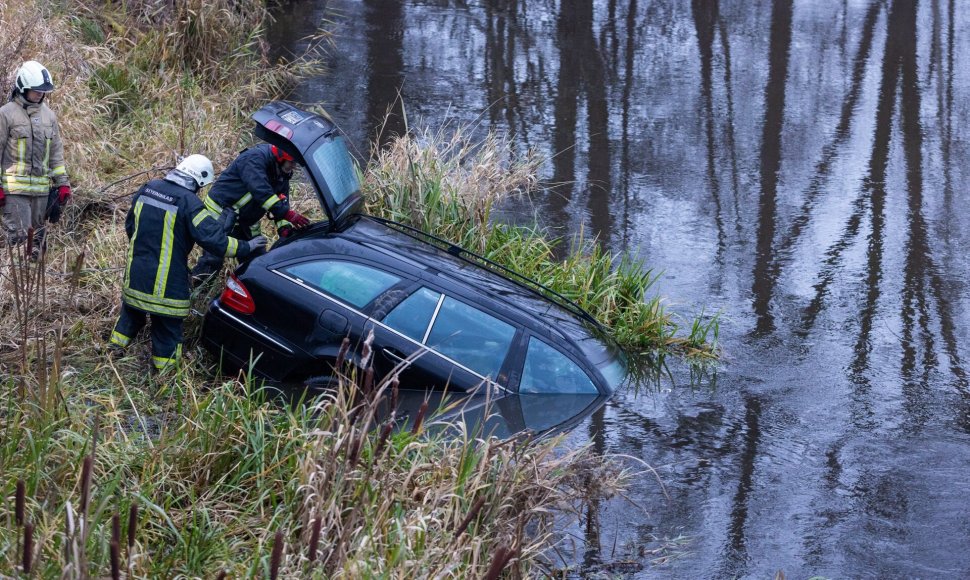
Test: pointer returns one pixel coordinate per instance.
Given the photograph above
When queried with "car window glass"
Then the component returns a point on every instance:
(469, 336)
(549, 371)
(337, 167)
(413, 315)
(349, 281)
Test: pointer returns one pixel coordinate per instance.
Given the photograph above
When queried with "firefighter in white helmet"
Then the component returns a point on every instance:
(165, 222)
(33, 180)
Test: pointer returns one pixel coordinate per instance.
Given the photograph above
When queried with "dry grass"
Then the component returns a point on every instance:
(105, 471)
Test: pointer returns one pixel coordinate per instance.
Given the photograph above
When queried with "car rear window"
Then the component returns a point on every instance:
(337, 168)
(549, 371)
(354, 283)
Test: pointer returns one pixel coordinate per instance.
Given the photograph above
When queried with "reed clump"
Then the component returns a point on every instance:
(449, 183)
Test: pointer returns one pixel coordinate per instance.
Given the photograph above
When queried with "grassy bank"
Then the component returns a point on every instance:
(105, 470)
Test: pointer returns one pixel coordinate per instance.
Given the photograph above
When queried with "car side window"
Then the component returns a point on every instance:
(549, 371)
(413, 315)
(354, 283)
(471, 337)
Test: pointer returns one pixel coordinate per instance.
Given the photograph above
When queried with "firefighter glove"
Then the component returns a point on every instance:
(63, 194)
(257, 244)
(299, 221)
(3, 198)
(53, 212)
(285, 231)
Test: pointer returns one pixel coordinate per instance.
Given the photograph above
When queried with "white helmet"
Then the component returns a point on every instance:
(199, 168)
(33, 76)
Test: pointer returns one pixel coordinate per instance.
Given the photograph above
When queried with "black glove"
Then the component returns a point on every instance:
(53, 206)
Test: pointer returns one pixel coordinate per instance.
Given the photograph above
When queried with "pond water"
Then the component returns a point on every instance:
(795, 166)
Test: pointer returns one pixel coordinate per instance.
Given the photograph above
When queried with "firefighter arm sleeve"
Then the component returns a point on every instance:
(208, 233)
(58, 173)
(278, 210)
(254, 175)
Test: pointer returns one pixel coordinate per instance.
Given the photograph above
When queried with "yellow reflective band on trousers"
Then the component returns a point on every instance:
(120, 339)
(162, 363)
(175, 307)
(165, 254)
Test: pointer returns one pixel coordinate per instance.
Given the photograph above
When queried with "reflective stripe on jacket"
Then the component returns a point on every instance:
(164, 223)
(251, 185)
(32, 158)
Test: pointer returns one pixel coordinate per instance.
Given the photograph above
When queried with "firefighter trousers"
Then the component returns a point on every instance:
(166, 334)
(21, 214)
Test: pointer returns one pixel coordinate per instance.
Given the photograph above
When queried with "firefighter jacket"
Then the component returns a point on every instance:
(252, 185)
(32, 159)
(165, 221)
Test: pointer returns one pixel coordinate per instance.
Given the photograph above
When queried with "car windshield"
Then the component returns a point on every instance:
(335, 164)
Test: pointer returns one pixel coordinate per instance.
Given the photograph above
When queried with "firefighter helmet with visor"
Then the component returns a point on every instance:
(33, 76)
(198, 167)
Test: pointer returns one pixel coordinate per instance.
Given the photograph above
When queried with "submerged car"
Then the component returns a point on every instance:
(438, 316)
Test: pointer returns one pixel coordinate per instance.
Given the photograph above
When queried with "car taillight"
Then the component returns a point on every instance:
(236, 296)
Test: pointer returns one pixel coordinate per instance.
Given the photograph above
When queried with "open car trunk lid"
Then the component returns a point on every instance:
(316, 144)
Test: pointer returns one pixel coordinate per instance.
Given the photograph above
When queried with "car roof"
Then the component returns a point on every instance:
(375, 239)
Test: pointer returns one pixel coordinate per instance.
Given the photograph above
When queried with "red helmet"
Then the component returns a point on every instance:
(281, 155)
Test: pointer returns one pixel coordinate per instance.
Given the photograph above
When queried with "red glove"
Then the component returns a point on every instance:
(296, 219)
(3, 198)
(63, 194)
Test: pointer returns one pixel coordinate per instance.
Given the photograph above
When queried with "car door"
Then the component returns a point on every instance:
(330, 301)
(444, 341)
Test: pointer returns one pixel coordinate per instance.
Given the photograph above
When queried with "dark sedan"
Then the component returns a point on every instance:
(440, 317)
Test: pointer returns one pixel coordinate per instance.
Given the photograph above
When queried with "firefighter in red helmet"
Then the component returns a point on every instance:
(256, 184)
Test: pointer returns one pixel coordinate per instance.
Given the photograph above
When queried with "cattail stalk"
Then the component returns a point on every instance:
(382, 440)
(277, 557)
(472, 514)
(115, 560)
(499, 559)
(132, 529)
(419, 418)
(314, 539)
(132, 524)
(28, 547)
(342, 354)
(20, 502)
(394, 393)
(86, 484)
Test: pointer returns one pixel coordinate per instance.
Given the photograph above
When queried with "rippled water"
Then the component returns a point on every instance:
(797, 167)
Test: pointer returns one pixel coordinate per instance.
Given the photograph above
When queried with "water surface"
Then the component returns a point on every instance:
(796, 166)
